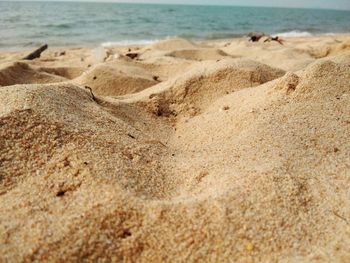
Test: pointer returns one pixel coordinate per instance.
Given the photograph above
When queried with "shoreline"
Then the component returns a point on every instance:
(149, 42)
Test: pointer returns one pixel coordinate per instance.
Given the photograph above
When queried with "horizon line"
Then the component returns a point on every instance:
(176, 4)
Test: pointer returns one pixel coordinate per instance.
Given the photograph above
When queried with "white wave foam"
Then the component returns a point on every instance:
(127, 43)
(294, 33)
(330, 34)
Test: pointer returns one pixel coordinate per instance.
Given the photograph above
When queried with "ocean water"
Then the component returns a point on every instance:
(27, 24)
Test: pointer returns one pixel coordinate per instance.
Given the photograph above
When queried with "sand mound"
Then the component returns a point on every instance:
(56, 139)
(287, 57)
(66, 72)
(181, 49)
(22, 73)
(172, 44)
(166, 67)
(193, 91)
(199, 54)
(163, 67)
(114, 80)
(49, 119)
(340, 47)
(279, 157)
(272, 111)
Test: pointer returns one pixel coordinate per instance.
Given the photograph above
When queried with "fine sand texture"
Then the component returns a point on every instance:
(224, 151)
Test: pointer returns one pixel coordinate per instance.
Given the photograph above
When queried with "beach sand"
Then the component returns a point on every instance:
(221, 151)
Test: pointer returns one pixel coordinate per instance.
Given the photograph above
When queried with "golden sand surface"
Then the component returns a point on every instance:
(225, 151)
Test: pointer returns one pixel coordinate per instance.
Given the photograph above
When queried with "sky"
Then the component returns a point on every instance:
(328, 4)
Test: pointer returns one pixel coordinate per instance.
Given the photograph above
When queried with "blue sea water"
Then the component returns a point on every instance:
(26, 24)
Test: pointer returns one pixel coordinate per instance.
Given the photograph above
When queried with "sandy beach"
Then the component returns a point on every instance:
(219, 151)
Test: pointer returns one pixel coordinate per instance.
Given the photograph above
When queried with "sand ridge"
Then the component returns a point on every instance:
(223, 160)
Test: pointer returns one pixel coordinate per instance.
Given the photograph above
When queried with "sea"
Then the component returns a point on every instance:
(29, 24)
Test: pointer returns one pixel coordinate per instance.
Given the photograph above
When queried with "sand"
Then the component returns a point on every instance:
(115, 79)
(224, 151)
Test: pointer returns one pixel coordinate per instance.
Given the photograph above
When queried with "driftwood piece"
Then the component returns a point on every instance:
(255, 36)
(92, 94)
(277, 39)
(132, 55)
(36, 53)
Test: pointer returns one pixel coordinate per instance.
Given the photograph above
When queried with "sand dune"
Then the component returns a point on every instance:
(229, 160)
